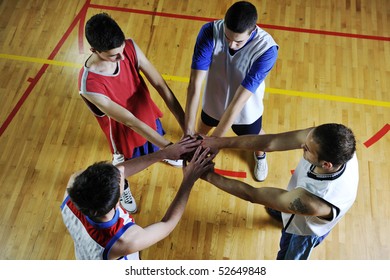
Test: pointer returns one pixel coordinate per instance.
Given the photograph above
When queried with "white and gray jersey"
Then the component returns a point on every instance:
(227, 71)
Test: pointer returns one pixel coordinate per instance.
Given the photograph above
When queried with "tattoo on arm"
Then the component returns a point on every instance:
(298, 207)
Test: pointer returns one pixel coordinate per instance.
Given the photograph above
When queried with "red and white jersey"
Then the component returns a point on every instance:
(127, 88)
(93, 240)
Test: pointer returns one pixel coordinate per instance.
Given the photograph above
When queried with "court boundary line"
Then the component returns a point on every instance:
(80, 18)
(312, 95)
(267, 26)
(42, 70)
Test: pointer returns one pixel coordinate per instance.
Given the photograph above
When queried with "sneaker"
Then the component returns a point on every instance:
(275, 214)
(117, 158)
(127, 201)
(261, 168)
(174, 163)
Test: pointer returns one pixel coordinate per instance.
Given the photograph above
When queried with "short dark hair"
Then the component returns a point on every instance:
(336, 142)
(241, 17)
(96, 190)
(103, 33)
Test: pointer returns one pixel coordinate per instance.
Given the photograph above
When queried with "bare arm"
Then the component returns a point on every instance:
(174, 151)
(137, 238)
(122, 115)
(193, 96)
(240, 98)
(268, 142)
(157, 81)
(297, 201)
(135, 165)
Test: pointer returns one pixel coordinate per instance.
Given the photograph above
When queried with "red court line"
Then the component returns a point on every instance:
(267, 26)
(324, 32)
(238, 174)
(81, 26)
(80, 18)
(152, 13)
(34, 81)
(377, 135)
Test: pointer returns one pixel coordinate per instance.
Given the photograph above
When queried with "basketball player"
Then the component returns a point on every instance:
(111, 85)
(321, 190)
(236, 56)
(100, 228)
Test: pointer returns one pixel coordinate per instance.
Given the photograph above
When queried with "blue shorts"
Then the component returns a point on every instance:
(239, 129)
(148, 147)
(297, 247)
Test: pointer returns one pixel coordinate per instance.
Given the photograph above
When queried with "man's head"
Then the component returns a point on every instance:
(330, 143)
(96, 190)
(241, 17)
(103, 33)
(240, 22)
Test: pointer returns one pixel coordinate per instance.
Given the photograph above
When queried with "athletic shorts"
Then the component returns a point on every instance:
(148, 147)
(239, 129)
(297, 247)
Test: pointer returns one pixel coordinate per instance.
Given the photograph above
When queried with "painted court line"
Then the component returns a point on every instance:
(80, 20)
(34, 81)
(265, 26)
(322, 96)
(238, 174)
(328, 97)
(377, 136)
(40, 60)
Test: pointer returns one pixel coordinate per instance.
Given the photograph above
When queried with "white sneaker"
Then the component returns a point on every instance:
(174, 163)
(261, 168)
(128, 202)
(117, 158)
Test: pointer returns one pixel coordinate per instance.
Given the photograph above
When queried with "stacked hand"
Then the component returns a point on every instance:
(196, 154)
(200, 164)
(185, 146)
(203, 141)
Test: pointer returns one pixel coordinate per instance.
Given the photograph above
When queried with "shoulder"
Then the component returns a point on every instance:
(131, 51)
(130, 47)
(207, 27)
(129, 43)
(128, 243)
(306, 203)
(206, 32)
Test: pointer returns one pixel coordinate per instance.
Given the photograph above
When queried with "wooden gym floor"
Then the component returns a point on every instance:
(333, 66)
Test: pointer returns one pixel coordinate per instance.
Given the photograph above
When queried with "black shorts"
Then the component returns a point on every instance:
(239, 129)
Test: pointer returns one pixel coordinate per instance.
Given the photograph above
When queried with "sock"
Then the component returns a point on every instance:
(261, 157)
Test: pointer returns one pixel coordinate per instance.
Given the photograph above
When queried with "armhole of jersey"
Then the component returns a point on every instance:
(107, 249)
(136, 48)
(95, 110)
(289, 221)
(64, 202)
(335, 213)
